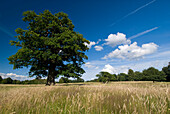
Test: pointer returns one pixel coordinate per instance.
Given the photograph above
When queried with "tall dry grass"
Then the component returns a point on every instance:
(113, 98)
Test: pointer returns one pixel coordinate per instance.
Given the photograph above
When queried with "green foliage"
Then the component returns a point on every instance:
(79, 80)
(64, 80)
(49, 46)
(16, 82)
(152, 74)
(138, 76)
(122, 77)
(113, 77)
(104, 77)
(35, 81)
(131, 75)
(1, 79)
(7, 81)
(166, 70)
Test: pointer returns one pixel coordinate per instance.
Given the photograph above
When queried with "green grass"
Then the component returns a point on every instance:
(86, 98)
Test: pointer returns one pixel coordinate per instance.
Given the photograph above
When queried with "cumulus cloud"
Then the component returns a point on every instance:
(98, 48)
(89, 65)
(115, 70)
(132, 51)
(117, 39)
(90, 44)
(109, 68)
(14, 76)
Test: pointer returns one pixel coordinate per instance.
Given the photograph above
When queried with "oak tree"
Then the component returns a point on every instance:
(49, 46)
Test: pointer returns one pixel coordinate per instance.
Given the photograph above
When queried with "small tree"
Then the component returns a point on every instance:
(1, 79)
(79, 80)
(138, 76)
(122, 77)
(114, 77)
(152, 74)
(131, 75)
(49, 46)
(166, 70)
(104, 77)
(64, 80)
(7, 81)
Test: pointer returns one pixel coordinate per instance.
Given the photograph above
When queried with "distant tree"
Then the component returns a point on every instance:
(1, 79)
(79, 79)
(166, 70)
(122, 77)
(104, 77)
(131, 75)
(138, 76)
(152, 74)
(7, 81)
(17, 81)
(64, 80)
(113, 77)
(49, 46)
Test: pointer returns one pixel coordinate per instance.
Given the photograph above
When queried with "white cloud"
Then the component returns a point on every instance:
(109, 68)
(90, 45)
(115, 70)
(158, 60)
(132, 51)
(89, 65)
(98, 41)
(116, 39)
(14, 76)
(98, 48)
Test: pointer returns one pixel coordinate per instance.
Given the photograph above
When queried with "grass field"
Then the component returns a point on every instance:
(86, 98)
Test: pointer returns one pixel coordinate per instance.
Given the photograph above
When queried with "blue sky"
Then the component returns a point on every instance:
(123, 33)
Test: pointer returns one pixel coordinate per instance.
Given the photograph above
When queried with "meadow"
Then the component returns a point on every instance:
(86, 98)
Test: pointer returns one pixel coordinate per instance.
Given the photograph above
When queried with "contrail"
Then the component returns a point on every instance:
(142, 33)
(7, 32)
(133, 12)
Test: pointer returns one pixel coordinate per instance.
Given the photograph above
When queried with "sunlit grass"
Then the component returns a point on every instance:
(90, 98)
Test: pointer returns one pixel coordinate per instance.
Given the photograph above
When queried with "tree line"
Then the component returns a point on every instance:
(37, 81)
(11, 81)
(150, 74)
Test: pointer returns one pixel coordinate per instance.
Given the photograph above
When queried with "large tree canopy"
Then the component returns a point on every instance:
(49, 46)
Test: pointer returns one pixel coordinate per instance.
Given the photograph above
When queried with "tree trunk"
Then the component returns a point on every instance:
(48, 81)
(51, 75)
